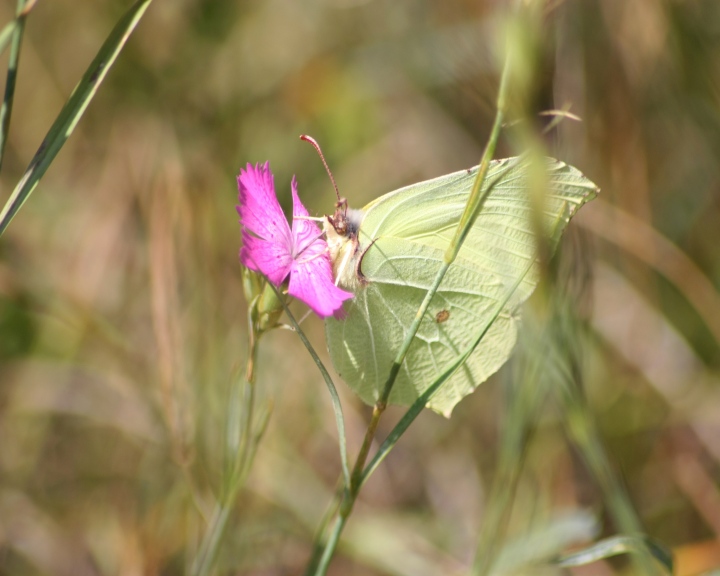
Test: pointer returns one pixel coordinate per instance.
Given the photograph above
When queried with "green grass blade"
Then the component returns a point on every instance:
(468, 217)
(13, 31)
(6, 34)
(73, 110)
(615, 546)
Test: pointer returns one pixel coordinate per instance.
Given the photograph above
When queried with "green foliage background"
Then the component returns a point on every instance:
(122, 320)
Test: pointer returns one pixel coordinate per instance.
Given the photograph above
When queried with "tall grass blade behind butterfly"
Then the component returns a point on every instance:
(389, 253)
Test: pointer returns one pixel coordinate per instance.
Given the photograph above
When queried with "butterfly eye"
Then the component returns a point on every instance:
(339, 219)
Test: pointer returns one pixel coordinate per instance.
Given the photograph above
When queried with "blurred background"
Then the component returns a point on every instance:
(123, 325)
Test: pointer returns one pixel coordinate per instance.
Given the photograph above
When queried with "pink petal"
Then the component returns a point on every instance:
(273, 260)
(311, 275)
(273, 248)
(259, 208)
(311, 281)
(267, 239)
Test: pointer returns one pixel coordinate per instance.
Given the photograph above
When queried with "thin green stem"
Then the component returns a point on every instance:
(477, 195)
(210, 544)
(248, 404)
(356, 477)
(347, 501)
(334, 538)
(319, 539)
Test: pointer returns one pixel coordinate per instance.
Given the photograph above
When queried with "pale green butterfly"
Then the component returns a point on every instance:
(389, 252)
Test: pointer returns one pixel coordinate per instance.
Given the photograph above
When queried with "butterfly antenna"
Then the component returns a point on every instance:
(312, 141)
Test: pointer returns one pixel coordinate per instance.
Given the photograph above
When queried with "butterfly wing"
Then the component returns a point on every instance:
(402, 241)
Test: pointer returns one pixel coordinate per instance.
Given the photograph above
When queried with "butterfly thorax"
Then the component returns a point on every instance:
(341, 231)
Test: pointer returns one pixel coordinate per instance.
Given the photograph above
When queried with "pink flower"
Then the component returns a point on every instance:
(270, 246)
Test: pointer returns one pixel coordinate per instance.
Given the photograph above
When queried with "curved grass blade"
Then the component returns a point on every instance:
(73, 110)
(615, 546)
(543, 539)
(12, 31)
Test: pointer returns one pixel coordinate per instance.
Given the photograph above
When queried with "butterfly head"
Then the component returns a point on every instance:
(345, 221)
(341, 230)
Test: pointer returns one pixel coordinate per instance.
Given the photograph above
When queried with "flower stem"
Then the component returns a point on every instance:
(333, 539)
(349, 495)
(356, 477)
